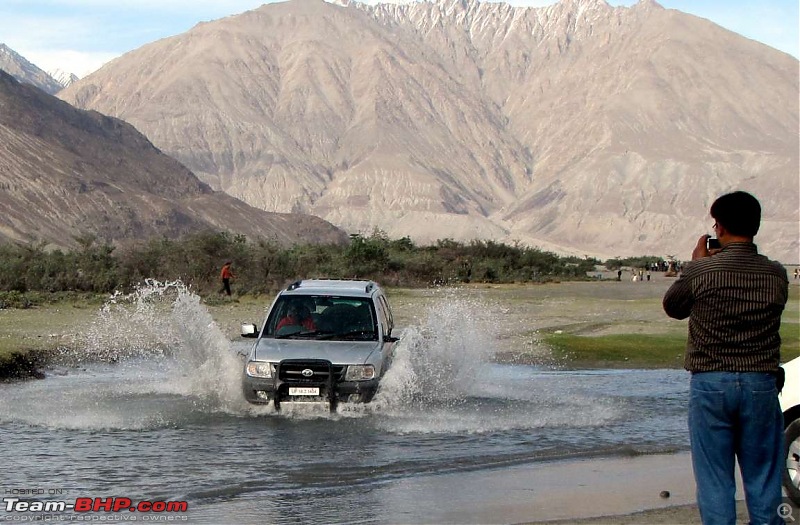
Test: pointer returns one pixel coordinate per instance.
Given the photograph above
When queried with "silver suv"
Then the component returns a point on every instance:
(323, 341)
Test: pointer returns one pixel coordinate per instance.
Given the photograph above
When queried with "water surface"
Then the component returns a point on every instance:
(149, 408)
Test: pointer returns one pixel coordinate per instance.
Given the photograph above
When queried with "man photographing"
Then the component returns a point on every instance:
(734, 299)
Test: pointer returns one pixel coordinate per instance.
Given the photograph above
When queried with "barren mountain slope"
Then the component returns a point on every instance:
(20, 68)
(66, 172)
(309, 106)
(578, 127)
(637, 118)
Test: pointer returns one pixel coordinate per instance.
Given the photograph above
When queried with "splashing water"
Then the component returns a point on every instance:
(439, 362)
(166, 321)
(130, 325)
(445, 358)
(443, 379)
(156, 358)
(442, 360)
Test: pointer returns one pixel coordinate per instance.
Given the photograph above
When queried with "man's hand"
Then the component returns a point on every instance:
(701, 249)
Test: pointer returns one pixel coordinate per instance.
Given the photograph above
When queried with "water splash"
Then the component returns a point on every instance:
(443, 359)
(155, 358)
(166, 321)
(129, 325)
(443, 379)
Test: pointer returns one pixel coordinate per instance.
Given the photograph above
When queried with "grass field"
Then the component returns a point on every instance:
(629, 344)
(570, 324)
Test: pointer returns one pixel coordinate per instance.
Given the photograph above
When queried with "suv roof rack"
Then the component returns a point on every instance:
(340, 284)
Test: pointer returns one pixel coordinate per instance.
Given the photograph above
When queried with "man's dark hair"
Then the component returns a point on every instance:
(738, 212)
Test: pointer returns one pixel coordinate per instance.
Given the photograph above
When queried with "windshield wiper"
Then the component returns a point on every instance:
(352, 333)
(312, 333)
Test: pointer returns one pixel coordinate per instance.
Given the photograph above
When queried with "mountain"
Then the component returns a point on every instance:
(66, 172)
(64, 78)
(578, 127)
(18, 67)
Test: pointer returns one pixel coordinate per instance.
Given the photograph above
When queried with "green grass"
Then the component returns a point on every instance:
(790, 341)
(619, 350)
(642, 350)
(41, 328)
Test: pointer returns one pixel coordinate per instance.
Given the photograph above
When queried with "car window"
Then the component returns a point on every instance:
(388, 316)
(322, 317)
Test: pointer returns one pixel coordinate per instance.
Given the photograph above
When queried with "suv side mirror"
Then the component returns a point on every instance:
(249, 330)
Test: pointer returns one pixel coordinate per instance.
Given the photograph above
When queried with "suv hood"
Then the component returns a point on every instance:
(337, 352)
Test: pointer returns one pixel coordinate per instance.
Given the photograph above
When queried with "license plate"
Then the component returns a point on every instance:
(303, 391)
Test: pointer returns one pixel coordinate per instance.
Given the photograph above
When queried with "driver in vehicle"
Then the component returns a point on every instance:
(297, 315)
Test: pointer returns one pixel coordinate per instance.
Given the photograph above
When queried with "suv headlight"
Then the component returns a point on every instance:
(359, 373)
(260, 369)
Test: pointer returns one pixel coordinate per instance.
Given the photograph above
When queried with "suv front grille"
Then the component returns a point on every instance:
(308, 371)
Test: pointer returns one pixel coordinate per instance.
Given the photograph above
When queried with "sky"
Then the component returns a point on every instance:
(79, 36)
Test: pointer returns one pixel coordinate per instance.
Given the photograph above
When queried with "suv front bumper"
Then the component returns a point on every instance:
(307, 373)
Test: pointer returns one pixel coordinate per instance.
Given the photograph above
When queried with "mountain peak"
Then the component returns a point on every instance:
(648, 4)
(64, 78)
(463, 5)
(595, 4)
(26, 72)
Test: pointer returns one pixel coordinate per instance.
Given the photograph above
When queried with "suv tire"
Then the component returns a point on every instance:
(791, 471)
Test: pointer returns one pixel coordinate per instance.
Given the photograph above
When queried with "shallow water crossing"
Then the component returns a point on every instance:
(149, 408)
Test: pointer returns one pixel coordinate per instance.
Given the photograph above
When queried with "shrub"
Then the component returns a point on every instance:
(262, 266)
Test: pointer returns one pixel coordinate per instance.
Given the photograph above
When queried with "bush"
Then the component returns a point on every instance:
(15, 299)
(261, 266)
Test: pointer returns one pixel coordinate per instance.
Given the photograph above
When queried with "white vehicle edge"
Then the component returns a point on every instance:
(790, 406)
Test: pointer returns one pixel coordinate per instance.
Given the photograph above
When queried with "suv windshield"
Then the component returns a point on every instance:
(322, 317)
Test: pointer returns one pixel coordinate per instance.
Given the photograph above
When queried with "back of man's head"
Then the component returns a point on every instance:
(738, 212)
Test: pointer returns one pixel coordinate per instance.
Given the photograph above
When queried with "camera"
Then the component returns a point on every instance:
(713, 244)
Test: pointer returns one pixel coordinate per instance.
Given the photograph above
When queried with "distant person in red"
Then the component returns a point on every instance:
(297, 316)
(226, 275)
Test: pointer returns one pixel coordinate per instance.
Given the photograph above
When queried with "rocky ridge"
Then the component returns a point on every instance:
(64, 78)
(20, 68)
(66, 173)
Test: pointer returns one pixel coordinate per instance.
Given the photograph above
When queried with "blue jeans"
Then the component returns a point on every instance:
(736, 415)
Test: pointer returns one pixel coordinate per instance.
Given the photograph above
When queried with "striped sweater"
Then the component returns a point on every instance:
(734, 301)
